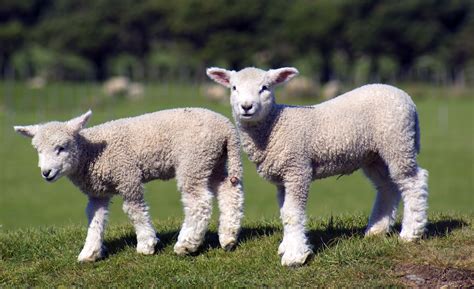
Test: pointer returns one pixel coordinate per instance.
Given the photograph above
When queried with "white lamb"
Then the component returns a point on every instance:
(197, 146)
(374, 127)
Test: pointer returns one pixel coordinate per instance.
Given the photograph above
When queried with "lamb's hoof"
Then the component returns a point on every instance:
(183, 248)
(296, 257)
(371, 233)
(409, 237)
(89, 254)
(147, 247)
(378, 229)
(229, 246)
(229, 243)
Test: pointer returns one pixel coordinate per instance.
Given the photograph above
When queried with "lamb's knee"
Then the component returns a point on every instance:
(137, 211)
(197, 203)
(414, 189)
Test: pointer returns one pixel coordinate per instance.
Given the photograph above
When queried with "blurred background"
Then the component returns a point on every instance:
(123, 58)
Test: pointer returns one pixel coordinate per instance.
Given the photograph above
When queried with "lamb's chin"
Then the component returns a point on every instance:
(247, 117)
(58, 175)
(250, 118)
(53, 179)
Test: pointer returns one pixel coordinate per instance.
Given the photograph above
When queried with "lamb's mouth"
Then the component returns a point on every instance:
(246, 115)
(52, 177)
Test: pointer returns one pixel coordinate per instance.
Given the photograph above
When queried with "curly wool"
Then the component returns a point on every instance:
(198, 147)
(374, 127)
(338, 136)
(184, 143)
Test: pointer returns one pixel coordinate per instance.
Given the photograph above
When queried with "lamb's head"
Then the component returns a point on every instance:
(252, 94)
(57, 145)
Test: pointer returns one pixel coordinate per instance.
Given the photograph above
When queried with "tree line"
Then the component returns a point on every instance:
(352, 41)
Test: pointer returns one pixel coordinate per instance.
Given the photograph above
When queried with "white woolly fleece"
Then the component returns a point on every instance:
(198, 147)
(374, 127)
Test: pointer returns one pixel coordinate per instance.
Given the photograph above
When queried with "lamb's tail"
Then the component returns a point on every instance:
(234, 161)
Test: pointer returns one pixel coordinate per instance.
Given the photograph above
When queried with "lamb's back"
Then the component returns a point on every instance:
(342, 133)
(166, 125)
(160, 140)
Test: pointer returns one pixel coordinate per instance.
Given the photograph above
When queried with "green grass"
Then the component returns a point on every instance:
(26, 200)
(46, 257)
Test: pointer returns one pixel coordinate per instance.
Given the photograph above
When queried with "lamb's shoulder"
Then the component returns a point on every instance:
(277, 145)
(105, 157)
(95, 178)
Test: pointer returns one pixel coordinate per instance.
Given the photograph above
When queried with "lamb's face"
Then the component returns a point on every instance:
(251, 90)
(57, 150)
(56, 144)
(251, 96)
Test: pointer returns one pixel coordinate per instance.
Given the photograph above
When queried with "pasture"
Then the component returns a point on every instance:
(46, 257)
(42, 225)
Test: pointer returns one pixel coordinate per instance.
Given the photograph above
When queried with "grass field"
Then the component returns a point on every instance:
(46, 257)
(42, 225)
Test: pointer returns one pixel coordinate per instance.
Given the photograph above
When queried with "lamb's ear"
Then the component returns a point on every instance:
(78, 123)
(281, 75)
(29, 130)
(220, 75)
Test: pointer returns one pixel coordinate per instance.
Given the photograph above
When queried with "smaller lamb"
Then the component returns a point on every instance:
(374, 127)
(197, 146)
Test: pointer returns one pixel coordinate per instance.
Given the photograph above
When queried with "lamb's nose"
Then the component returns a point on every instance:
(246, 107)
(46, 173)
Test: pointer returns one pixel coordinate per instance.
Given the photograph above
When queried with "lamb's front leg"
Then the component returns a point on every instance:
(137, 211)
(294, 248)
(97, 212)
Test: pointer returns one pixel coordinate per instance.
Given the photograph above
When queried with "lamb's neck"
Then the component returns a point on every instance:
(89, 152)
(255, 137)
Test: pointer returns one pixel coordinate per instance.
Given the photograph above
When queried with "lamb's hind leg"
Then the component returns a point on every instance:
(137, 211)
(97, 211)
(197, 202)
(414, 190)
(384, 210)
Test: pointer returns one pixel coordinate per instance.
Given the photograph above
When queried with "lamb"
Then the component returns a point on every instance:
(374, 127)
(197, 146)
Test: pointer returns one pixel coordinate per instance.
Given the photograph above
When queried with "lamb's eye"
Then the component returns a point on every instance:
(59, 149)
(234, 88)
(264, 88)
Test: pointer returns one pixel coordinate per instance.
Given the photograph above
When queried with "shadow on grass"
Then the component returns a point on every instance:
(439, 228)
(211, 240)
(319, 238)
(117, 245)
(443, 227)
